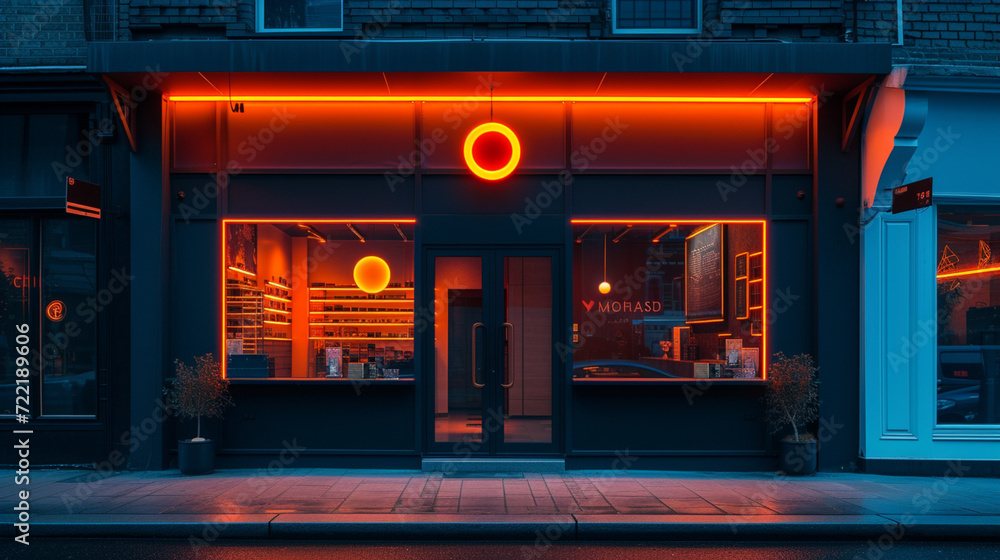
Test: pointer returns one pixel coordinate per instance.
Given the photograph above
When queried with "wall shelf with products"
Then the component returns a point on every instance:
(244, 315)
(756, 293)
(367, 332)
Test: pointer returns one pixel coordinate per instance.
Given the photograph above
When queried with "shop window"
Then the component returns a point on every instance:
(672, 300)
(656, 16)
(968, 315)
(319, 300)
(55, 146)
(49, 284)
(300, 15)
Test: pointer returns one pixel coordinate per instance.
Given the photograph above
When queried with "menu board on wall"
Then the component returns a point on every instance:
(703, 274)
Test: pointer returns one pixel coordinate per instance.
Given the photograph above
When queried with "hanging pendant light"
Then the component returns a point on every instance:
(604, 287)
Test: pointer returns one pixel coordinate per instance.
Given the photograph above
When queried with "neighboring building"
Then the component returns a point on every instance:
(710, 149)
(931, 314)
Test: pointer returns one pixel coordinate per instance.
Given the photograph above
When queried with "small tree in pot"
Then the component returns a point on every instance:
(195, 392)
(792, 398)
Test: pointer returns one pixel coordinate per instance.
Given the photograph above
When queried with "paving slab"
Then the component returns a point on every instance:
(418, 526)
(730, 527)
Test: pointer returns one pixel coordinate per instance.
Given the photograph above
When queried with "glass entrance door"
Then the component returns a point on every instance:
(493, 361)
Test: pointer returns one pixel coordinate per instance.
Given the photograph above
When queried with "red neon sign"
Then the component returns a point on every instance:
(483, 146)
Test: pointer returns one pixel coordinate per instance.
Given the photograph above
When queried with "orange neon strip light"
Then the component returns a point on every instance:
(319, 220)
(278, 322)
(354, 289)
(704, 321)
(282, 311)
(508, 98)
(969, 272)
(360, 338)
(361, 324)
(277, 298)
(664, 222)
(276, 338)
(240, 270)
(329, 312)
(361, 313)
(277, 285)
(725, 334)
(346, 300)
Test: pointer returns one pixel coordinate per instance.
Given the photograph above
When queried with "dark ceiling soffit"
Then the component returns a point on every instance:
(514, 56)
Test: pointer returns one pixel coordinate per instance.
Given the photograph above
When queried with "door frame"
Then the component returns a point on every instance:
(493, 308)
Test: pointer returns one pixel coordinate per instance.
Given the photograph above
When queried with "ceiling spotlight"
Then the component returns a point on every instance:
(355, 231)
(663, 232)
(313, 232)
(622, 234)
(579, 238)
(400, 232)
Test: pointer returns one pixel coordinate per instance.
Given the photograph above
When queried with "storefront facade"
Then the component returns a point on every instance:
(601, 277)
(930, 279)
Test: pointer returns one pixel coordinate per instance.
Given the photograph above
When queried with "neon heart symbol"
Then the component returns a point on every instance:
(588, 304)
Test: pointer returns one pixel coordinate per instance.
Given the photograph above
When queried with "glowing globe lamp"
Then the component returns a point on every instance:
(604, 288)
(371, 274)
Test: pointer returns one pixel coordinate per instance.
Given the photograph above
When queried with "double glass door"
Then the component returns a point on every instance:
(493, 362)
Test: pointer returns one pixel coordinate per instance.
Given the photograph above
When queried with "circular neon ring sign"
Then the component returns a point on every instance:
(492, 174)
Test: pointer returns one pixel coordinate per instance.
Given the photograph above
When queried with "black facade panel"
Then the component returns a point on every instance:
(790, 288)
(471, 229)
(345, 417)
(194, 290)
(668, 418)
(462, 193)
(335, 196)
(653, 196)
(838, 294)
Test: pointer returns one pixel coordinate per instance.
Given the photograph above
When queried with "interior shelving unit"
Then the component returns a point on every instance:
(278, 327)
(244, 313)
(364, 326)
(756, 293)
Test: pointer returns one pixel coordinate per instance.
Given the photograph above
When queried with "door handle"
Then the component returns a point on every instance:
(510, 355)
(475, 383)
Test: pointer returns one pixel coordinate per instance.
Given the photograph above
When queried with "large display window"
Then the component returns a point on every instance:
(669, 300)
(318, 299)
(968, 315)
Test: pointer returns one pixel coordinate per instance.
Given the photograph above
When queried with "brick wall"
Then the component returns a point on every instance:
(940, 37)
(42, 33)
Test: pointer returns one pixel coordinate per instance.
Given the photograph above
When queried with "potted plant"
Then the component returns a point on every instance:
(195, 392)
(792, 398)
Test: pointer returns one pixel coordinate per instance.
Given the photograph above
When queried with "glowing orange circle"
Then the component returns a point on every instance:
(492, 174)
(604, 288)
(371, 274)
(55, 311)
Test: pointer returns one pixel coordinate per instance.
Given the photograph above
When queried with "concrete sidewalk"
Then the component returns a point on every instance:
(584, 505)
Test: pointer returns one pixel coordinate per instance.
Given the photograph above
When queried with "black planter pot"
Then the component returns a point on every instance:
(797, 457)
(196, 457)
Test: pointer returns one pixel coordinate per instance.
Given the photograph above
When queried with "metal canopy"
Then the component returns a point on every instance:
(489, 56)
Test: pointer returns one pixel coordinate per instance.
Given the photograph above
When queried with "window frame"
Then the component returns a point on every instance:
(699, 9)
(260, 28)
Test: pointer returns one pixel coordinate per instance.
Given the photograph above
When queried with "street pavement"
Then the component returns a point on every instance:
(542, 508)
